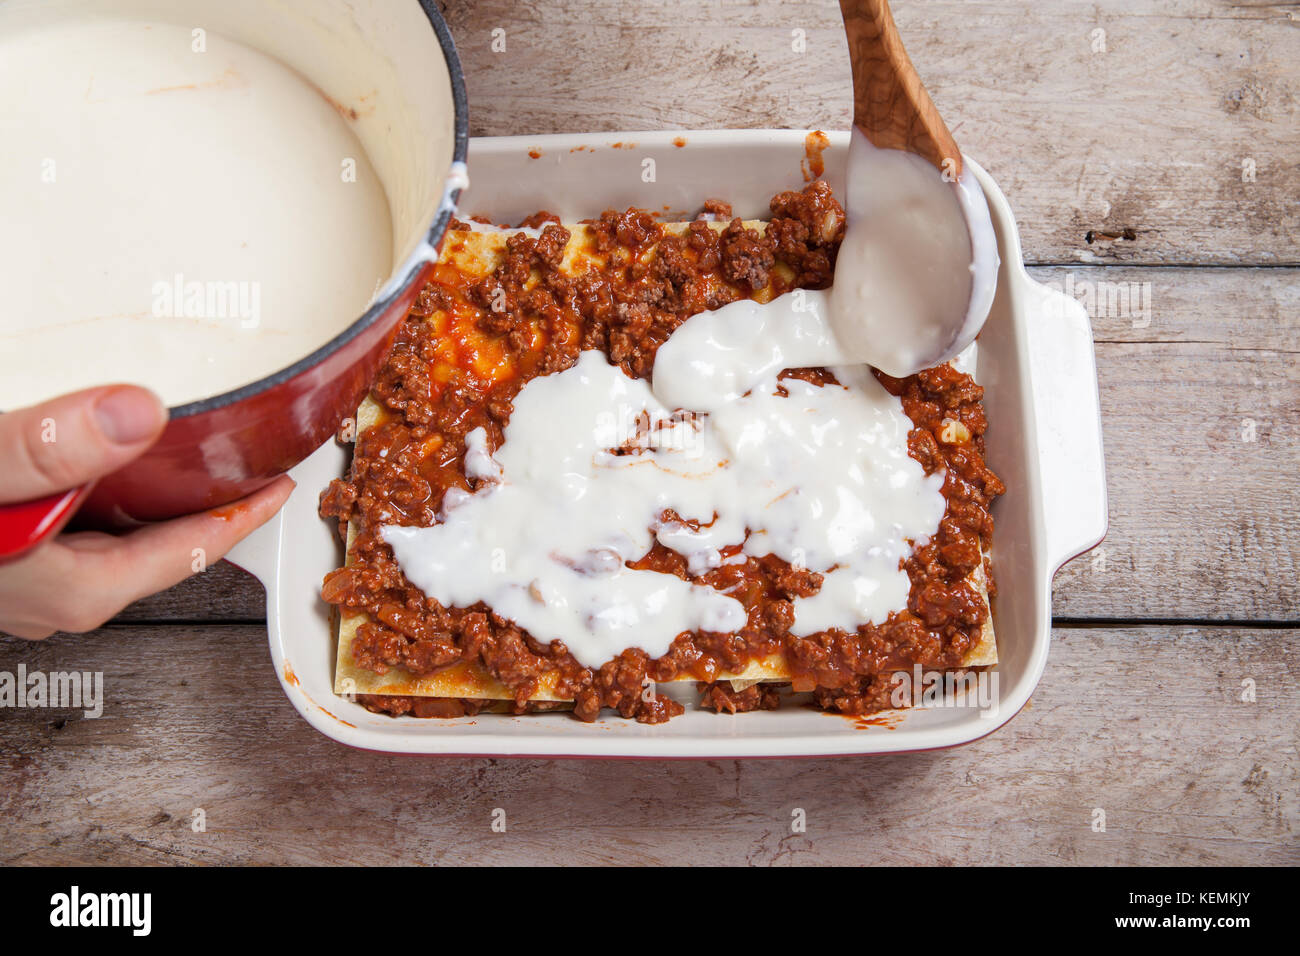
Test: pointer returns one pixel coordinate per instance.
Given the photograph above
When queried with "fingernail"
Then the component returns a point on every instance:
(127, 415)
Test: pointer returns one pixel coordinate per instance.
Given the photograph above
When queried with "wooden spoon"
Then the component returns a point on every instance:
(907, 295)
(890, 105)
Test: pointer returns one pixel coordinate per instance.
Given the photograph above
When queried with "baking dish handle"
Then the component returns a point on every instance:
(1067, 407)
(259, 553)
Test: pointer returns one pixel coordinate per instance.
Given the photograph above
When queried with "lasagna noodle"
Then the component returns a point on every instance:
(478, 253)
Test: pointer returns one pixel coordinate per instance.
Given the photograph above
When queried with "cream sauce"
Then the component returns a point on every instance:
(918, 266)
(187, 220)
(819, 476)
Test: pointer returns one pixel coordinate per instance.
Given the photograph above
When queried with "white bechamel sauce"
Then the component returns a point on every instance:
(532, 232)
(819, 476)
(918, 266)
(425, 252)
(967, 360)
(133, 166)
(457, 182)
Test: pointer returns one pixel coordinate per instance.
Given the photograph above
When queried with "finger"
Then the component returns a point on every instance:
(76, 438)
(27, 630)
(57, 588)
(79, 581)
(154, 558)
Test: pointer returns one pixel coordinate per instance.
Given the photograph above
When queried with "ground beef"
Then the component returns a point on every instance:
(720, 696)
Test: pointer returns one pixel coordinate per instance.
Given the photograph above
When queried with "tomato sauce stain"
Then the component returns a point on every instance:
(227, 512)
(814, 144)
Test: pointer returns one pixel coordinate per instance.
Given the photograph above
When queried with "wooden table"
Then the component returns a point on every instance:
(1139, 141)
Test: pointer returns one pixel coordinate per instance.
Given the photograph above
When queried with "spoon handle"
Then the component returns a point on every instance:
(890, 105)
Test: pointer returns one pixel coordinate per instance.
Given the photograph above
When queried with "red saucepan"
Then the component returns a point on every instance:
(359, 53)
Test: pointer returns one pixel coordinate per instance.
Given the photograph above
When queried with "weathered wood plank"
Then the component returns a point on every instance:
(1144, 723)
(1201, 422)
(1205, 508)
(221, 593)
(1137, 118)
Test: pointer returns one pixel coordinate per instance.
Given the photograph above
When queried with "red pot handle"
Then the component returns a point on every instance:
(25, 524)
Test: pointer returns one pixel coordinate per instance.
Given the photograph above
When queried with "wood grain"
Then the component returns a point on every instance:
(890, 104)
(1145, 724)
(1200, 408)
(1139, 131)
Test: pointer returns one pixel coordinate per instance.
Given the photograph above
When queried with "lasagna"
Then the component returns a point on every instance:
(609, 455)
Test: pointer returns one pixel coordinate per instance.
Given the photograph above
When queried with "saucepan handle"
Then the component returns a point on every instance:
(25, 524)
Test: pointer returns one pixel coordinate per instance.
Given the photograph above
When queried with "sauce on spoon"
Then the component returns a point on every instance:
(918, 266)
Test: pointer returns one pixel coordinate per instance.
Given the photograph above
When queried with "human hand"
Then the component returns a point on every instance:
(76, 581)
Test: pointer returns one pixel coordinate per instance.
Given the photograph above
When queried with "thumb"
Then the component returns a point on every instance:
(76, 438)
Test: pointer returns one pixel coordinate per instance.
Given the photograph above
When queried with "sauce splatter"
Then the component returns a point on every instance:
(227, 512)
(812, 165)
(339, 719)
(884, 719)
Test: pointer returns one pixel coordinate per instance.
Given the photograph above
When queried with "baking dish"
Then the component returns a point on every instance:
(1035, 361)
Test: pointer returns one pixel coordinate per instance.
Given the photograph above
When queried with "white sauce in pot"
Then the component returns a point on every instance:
(189, 221)
(819, 476)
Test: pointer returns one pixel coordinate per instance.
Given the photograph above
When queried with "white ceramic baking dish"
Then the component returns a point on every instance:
(1036, 363)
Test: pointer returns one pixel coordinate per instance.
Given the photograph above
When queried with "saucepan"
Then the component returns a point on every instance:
(390, 70)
